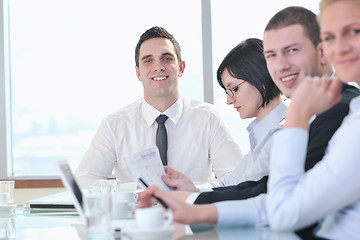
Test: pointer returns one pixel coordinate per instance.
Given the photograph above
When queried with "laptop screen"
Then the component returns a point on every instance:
(71, 185)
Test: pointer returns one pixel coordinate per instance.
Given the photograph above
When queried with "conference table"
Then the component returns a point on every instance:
(25, 225)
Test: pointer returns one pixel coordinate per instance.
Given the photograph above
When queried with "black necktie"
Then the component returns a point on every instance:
(161, 138)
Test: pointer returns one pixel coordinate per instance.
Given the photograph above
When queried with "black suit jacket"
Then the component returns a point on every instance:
(320, 132)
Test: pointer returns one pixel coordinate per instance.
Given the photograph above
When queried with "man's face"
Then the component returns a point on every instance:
(159, 69)
(290, 56)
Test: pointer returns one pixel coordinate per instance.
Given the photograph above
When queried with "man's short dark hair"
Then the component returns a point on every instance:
(297, 15)
(247, 62)
(156, 32)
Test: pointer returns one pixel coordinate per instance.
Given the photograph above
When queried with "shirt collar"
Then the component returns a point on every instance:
(150, 113)
(355, 104)
(260, 129)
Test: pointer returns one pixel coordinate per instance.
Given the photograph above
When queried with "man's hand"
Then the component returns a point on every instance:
(178, 181)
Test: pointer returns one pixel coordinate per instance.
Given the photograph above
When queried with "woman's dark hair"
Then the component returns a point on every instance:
(247, 62)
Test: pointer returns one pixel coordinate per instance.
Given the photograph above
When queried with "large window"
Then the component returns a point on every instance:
(72, 63)
(68, 63)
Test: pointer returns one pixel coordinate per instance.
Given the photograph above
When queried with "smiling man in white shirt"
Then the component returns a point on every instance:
(198, 140)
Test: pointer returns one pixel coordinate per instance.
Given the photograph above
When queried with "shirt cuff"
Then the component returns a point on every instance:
(205, 187)
(191, 198)
(249, 212)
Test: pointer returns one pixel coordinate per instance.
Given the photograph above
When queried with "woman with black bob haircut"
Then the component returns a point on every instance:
(248, 85)
(246, 61)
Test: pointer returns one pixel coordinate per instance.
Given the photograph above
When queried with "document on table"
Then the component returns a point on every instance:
(147, 165)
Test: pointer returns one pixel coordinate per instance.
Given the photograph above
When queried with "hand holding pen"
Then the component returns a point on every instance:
(158, 199)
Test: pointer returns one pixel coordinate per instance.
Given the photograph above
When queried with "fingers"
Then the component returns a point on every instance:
(315, 79)
(331, 87)
(166, 180)
(313, 96)
(146, 198)
(172, 183)
(183, 212)
(335, 89)
(170, 171)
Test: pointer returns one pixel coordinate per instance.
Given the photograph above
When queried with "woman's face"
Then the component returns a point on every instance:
(340, 34)
(247, 99)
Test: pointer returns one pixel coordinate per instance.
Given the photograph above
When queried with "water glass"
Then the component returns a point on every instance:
(97, 208)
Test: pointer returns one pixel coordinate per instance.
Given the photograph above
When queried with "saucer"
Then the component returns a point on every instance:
(152, 233)
(7, 208)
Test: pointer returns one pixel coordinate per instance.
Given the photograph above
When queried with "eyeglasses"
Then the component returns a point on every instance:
(231, 92)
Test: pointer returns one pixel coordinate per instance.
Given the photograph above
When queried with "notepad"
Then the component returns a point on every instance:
(147, 165)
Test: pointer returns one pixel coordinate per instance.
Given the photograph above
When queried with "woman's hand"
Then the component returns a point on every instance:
(183, 212)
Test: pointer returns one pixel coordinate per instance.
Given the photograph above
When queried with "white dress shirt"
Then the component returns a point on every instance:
(197, 140)
(329, 191)
(255, 164)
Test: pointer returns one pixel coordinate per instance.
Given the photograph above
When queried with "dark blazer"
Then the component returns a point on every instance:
(320, 132)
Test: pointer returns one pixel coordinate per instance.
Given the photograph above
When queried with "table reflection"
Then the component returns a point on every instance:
(7, 228)
(248, 233)
(24, 225)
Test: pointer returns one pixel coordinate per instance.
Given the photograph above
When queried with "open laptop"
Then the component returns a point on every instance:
(68, 179)
(74, 190)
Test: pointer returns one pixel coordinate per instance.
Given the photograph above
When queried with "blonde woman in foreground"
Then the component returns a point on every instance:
(330, 192)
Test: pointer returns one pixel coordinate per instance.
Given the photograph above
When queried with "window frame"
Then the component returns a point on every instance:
(5, 117)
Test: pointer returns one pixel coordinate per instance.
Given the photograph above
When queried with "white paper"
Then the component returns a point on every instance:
(147, 165)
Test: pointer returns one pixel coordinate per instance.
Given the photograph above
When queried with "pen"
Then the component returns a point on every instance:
(159, 200)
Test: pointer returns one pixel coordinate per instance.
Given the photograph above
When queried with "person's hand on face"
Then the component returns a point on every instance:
(313, 96)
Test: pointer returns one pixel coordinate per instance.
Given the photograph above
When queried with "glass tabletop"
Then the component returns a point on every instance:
(25, 224)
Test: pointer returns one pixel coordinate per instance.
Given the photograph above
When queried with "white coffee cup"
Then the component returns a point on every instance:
(153, 217)
(124, 196)
(123, 203)
(8, 188)
(120, 210)
(3, 198)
